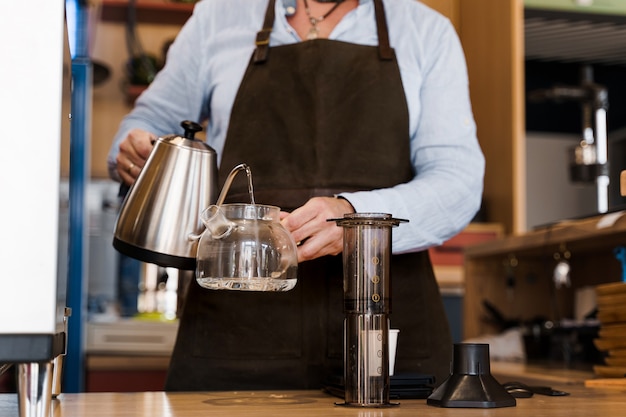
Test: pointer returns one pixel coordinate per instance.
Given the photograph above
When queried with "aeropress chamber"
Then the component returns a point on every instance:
(471, 385)
(367, 305)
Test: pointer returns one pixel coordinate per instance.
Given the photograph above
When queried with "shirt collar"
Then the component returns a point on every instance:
(289, 6)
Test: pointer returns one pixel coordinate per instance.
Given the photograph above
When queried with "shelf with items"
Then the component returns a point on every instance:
(148, 11)
(128, 354)
(516, 274)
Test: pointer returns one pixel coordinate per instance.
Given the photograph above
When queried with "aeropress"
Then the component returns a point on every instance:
(470, 384)
(367, 305)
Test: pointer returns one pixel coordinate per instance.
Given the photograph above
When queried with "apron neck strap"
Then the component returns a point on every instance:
(262, 41)
(384, 49)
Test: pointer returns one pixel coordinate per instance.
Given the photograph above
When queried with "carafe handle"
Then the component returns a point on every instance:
(216, 223)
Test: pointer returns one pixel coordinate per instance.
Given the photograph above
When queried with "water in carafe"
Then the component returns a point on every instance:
(245, 247)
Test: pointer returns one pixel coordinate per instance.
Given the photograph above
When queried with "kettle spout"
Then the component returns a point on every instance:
(229, 180)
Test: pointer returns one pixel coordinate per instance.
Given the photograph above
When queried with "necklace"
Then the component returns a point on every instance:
(314, 31)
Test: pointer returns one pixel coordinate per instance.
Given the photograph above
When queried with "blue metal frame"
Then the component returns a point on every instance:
(74, 371)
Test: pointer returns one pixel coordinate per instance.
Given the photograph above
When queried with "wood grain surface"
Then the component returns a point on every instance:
(606, 402)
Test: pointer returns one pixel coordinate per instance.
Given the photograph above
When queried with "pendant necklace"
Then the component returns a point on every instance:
(314, 31)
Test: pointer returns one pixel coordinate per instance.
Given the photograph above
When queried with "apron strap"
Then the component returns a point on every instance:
(263, 36)
(262, 41)
(384, 49)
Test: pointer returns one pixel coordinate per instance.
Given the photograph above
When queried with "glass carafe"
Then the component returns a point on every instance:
(245, 247)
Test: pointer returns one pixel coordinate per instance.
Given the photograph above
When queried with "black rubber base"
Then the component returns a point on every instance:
(471, 385)
(148, 256)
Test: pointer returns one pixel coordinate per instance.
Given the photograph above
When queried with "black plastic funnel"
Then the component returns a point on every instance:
(471, 385)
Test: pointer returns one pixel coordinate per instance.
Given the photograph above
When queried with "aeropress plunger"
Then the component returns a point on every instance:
(367, 305)
(471, 385)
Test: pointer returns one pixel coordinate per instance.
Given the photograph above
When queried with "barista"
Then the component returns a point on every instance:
(365, 100)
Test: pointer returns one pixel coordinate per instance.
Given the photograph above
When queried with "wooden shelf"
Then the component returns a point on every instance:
(515, 273)
(591, 234)
(148, 11)
(447, 259)
(133, 92)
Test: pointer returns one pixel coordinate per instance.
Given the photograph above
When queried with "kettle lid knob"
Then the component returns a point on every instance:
(191, 128)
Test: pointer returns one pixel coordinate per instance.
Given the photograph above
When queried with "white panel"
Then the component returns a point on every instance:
(551, 196)
(30, 108)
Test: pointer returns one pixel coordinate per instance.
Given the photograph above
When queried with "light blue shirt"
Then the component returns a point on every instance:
(207, 61)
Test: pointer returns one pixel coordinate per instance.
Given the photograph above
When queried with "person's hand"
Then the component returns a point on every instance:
(310, 229)
(134, 151)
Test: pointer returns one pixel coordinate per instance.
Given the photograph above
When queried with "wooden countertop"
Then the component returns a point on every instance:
(582, 402)
(540, 374)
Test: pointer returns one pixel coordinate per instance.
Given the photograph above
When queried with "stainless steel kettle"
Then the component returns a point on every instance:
(159, 220)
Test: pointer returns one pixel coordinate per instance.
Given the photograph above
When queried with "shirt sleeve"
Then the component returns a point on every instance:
(446, 191)
(172, 97)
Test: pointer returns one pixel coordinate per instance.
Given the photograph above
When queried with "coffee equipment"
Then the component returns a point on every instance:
(367, 305)
(33, 328)
(244, 246)
(171, 218)
(588, 160)
(159, 220)
(470, 383)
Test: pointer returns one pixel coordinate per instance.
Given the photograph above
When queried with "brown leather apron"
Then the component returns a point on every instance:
(310, 119)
